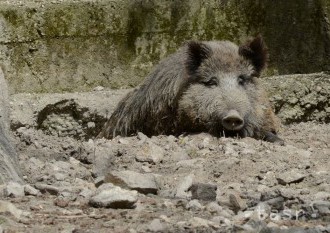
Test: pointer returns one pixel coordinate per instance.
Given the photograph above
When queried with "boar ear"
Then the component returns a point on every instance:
(197, 52)
(256, 51)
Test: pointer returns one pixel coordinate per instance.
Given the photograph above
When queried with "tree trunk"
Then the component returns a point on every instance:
(9, 169)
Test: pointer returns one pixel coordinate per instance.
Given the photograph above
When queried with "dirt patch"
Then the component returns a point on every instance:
(247, 174)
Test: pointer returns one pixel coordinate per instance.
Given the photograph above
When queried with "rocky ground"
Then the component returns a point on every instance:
(191, 183)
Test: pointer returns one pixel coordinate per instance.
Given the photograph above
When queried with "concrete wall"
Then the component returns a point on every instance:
(70, 45)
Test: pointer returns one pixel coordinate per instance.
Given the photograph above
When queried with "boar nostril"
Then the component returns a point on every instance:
(232, 121)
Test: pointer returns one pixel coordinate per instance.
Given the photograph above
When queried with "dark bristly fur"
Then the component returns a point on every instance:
(256, 51)
(196, 54)
(194, 90)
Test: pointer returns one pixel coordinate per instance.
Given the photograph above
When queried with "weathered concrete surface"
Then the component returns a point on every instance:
(71, 45)
(296, 98)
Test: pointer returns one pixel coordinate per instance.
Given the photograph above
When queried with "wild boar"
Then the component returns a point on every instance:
(206, 86)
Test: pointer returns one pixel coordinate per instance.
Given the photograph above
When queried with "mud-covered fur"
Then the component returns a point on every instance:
(193, 89)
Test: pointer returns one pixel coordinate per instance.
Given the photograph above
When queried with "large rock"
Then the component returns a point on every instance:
(205, 192)
(143, 183)
(183, 187)
(292, 176)
(114, 197)
(7, 207)
(9, 170)
(14, 189)
(52, 46)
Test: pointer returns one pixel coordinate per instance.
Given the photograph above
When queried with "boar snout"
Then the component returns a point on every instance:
(232, 121)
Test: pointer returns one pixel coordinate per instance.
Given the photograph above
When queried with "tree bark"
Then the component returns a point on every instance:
(9, 169)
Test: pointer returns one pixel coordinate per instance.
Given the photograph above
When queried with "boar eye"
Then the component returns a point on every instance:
(243, 79)
(213, 81)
